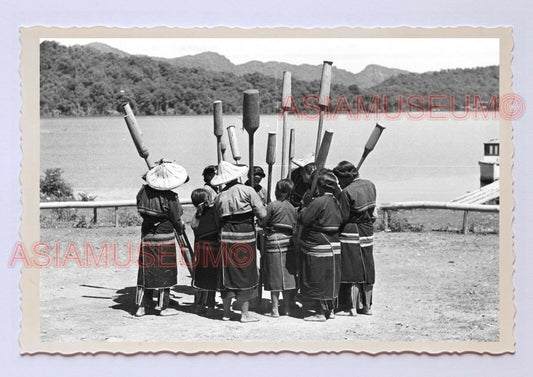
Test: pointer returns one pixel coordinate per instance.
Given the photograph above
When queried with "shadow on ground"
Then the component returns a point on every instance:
(125, 300)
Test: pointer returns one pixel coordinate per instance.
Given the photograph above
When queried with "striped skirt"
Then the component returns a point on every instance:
(320, 269)
(239, 255)
(207, 261)
(279, 264)
(158, 267)
(357, 254)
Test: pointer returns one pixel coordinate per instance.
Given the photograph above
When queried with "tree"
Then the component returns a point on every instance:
(53, 187)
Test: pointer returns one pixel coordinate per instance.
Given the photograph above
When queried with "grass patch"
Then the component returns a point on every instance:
(105, 217)
(438, 220)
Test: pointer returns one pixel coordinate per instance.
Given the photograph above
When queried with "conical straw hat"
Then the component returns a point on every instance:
(307, 159)
(166, 175)
(227, 172)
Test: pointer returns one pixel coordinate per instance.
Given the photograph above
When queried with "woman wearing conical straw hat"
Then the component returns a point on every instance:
(161, 212)
(236, 205)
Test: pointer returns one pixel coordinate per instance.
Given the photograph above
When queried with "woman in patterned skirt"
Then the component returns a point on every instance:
(279, 264)
(357, 201)
(320, 267)
(206, 278)
(236, 206)
(161, 212)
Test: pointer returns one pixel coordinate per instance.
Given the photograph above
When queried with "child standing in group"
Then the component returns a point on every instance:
(279, 262)
(206, 278)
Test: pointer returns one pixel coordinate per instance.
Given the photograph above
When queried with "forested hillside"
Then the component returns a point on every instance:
(83, 81)
(80, 81)
(457, 85)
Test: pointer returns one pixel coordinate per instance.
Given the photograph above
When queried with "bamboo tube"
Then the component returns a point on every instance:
(371, 143)
(321, 158)
(270, 160)
(323, 100)
(233, 143)
(223, 150)
(250, 120)
(292, 141)
(285, 105)
(218, 129)
(136, 134)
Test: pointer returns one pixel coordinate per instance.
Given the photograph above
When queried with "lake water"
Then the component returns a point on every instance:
(414, 159)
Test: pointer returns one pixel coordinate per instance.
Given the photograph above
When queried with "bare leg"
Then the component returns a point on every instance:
(226, 301)
(354, 292)
(139, 302)
(210, 303)
(160, 299)
(197, 301)
(275, 304)
(367, 299)
(344, 302)
(200, 299)
(210, 299)
(166, 298)
(327, 308)
(163, 301)
(288, 300)
(357, 293)
(245, 315)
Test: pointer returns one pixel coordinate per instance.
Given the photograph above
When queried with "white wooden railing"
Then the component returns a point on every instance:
(115, 204)
(386, 208)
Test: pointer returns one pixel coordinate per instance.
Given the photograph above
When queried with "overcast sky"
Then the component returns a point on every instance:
(411, 54)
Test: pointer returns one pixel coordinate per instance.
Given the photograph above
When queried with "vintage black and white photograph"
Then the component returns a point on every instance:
(263, 190)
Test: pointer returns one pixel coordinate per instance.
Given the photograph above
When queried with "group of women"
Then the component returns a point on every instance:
(316, 243)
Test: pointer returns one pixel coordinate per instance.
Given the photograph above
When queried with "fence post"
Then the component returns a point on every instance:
(116, 217)
(386, 220)
(465, 222)
(95, 218)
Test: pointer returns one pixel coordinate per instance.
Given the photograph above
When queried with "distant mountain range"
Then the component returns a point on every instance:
(211, 61)
(102, 47)
(97, 79)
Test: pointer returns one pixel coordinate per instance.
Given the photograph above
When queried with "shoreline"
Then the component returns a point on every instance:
(392, 115)
(416, 220)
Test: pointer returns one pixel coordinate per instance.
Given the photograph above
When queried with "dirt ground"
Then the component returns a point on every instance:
(432, 286)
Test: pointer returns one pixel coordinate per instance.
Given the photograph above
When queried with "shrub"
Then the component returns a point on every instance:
(397, 223)
(401, 224)
(129, 217)
(83, 223)
(53, 186)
